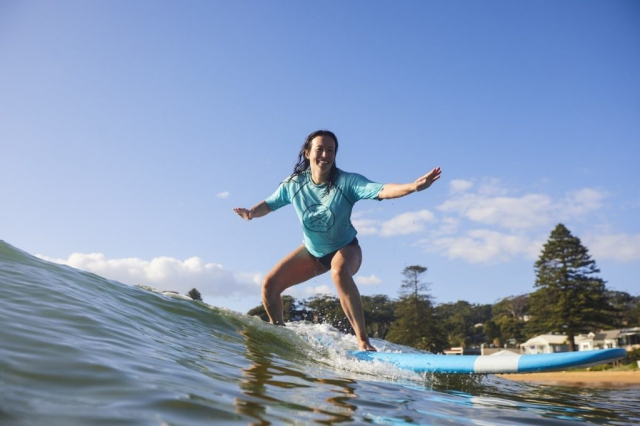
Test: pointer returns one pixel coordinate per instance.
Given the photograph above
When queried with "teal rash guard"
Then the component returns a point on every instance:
(325, 218)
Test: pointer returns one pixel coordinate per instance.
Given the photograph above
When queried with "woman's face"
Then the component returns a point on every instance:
(322, 154)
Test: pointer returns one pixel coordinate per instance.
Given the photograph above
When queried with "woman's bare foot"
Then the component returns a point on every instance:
(366, 346)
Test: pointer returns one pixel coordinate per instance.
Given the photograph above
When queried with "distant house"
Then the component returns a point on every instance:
(545, 344)
(462, 351)
(629, 338)
(498, 351)
(600, 340)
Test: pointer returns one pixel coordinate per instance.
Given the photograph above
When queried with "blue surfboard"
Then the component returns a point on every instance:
(487, 364)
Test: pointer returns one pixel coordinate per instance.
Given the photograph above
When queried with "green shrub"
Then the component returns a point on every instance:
(632, 357)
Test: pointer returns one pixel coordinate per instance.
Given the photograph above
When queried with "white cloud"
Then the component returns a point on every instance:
(513, 224)
(370, 280)
(366, 226)
(164, 273)
(484, 246)
(223, 195)
(402, 224)
(579, 203)
(490, 205)
(522, 218)
(448, 226)
(303, 292)
(460, 185)
(492, 187)
(406, 223)
(529, 211)
(619, 247)
(250, 277)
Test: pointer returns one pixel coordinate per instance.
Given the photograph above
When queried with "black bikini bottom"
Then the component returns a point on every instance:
(326, 259)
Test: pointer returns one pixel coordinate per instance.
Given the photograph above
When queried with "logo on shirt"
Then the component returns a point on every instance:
(318, 218)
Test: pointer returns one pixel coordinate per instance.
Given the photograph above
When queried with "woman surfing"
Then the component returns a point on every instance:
(323, 197)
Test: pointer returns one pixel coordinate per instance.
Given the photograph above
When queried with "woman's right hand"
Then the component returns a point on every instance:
(243, 213)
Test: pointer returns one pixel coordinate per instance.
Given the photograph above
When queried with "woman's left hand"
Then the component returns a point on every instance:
(423, 182)
(397, 190)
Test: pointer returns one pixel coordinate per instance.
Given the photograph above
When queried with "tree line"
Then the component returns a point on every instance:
(569, 299)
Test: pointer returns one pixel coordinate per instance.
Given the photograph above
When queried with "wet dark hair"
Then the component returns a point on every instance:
(303, 163)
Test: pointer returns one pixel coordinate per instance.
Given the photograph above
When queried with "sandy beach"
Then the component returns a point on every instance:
(572, 378)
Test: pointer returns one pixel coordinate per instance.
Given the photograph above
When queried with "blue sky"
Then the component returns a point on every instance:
(129, 130)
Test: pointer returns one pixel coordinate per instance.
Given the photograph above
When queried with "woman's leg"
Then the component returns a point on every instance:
(297, 267)
(344, 266)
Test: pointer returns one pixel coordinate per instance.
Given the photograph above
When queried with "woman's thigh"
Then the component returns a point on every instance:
(347, 259)
(295, 268)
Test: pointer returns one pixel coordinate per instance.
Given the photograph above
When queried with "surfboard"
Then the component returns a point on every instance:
(488, 364)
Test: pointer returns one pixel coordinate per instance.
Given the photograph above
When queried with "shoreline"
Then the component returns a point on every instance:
(579, 378)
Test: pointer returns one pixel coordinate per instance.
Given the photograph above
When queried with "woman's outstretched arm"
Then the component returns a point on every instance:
(397, 190)
(258, 210)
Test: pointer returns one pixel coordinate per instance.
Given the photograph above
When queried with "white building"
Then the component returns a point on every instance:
(600, 340)
(629, 338)
(545, 344)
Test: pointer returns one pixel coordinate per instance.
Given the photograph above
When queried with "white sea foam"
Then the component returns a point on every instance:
(331, 347)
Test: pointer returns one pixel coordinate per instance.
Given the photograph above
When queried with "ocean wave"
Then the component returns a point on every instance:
(76, 348)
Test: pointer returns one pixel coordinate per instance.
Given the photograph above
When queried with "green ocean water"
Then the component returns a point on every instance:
(78, 349)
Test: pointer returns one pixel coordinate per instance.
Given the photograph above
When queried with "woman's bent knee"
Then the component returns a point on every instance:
(271, 287)
(342, 277)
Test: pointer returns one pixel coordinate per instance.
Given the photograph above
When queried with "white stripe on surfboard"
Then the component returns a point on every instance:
(496, 364)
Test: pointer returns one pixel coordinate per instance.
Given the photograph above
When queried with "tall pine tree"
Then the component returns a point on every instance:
(416, 323)
(570, 298)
